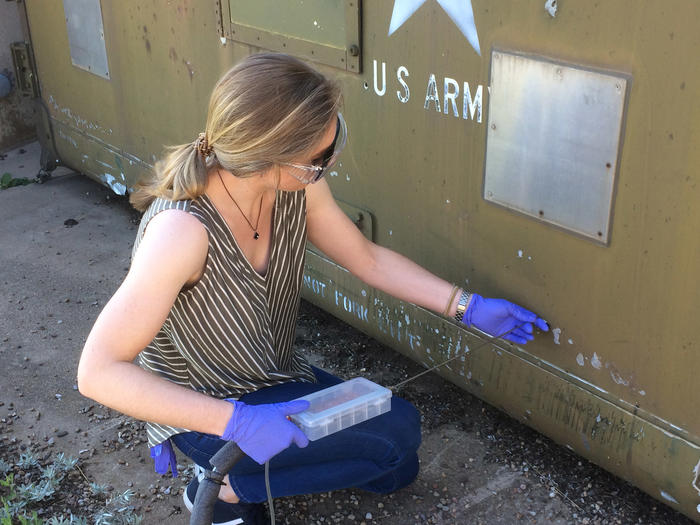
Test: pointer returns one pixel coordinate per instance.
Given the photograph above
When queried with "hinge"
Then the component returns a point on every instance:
(24, 70)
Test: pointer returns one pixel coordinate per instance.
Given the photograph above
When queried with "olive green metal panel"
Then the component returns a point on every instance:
(623, 438)
(325, 31)
(617, 378)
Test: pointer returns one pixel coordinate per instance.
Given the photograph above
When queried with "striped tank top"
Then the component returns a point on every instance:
(232, 332)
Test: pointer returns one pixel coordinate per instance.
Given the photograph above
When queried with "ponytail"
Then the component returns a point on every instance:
(182, 174)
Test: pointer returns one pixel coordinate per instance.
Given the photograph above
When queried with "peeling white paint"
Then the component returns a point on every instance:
(223, 40)
(364, 293)
(595, 362)
(665, 495)
(642, 393)
(520, 254)
(570, 341)
(333, 173)
(556, 333)
(117, 187)
(618, 378)
(580, 360)
(551, 7)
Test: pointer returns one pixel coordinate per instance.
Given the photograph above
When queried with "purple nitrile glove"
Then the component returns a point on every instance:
(262, 431)
(497, 316)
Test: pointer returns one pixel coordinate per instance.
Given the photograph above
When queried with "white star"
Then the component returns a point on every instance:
(460, 11)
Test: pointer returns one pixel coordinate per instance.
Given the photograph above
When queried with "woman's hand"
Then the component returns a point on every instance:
(501, 318)
(263, 431)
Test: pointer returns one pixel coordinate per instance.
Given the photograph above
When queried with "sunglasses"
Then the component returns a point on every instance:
(312, 173)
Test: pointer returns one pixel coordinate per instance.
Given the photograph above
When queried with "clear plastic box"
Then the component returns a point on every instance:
(341, 406)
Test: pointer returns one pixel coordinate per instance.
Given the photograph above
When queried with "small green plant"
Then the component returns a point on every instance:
(8, 181)
(18, 502)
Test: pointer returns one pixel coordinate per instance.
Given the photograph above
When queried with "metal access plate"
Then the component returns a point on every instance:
(553, 143)
(86, 36)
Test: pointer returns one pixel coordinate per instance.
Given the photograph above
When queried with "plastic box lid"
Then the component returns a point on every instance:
(341, 406)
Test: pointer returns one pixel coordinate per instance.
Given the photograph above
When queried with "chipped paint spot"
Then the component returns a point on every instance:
(570, 341)
(223, 40)
(117, 187)
(551, 7)
(364, 293)
(520, 254)
(618, 378)
(580, 360)
(665, 495)
(696, 481)
(391, 232)
(595, 362)
(642, 393)
(556, 333)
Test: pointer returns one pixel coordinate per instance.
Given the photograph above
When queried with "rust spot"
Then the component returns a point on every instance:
(541, 213)
(145, 29)
(173, 54)
(682, 85)
(608, 165)
(155, 17)
(148, 46)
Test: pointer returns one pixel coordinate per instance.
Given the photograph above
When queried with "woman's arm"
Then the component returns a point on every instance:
(336, 236)
(172, 254)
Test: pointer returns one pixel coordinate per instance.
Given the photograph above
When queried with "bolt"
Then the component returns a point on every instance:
(354, 50)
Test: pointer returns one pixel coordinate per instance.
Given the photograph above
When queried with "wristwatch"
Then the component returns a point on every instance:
(462, 305)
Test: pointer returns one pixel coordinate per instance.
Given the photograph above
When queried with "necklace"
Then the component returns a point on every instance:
(256, 235)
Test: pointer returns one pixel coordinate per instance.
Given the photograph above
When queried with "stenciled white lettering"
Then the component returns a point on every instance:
(450, 96)
(431, 94)
(400, 73)
(472, 96)
(353, 307)
(380, 92)
(316, 286)
(474, 106)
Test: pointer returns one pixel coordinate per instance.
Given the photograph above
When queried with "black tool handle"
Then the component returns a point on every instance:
(208, 491)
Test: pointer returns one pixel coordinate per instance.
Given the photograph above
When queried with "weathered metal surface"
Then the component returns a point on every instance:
(616, 378)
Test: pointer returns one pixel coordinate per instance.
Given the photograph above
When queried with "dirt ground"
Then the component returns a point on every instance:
(64, 248)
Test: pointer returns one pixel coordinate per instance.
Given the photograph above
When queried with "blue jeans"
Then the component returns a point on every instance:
(378, 455)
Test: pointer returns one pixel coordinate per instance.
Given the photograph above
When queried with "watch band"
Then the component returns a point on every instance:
(462, 305)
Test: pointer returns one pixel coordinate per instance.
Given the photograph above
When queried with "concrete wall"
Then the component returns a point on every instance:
(16, 112)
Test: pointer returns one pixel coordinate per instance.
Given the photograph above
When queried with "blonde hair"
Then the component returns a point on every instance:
(267, 109)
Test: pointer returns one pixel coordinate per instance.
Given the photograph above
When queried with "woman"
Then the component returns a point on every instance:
(210, 301)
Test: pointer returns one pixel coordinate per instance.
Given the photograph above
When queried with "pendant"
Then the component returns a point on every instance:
(256, 236)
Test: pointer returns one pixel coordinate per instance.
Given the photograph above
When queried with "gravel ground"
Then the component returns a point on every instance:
(65, 248)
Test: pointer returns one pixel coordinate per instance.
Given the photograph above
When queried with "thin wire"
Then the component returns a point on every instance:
(461, 354)
(269, 493)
